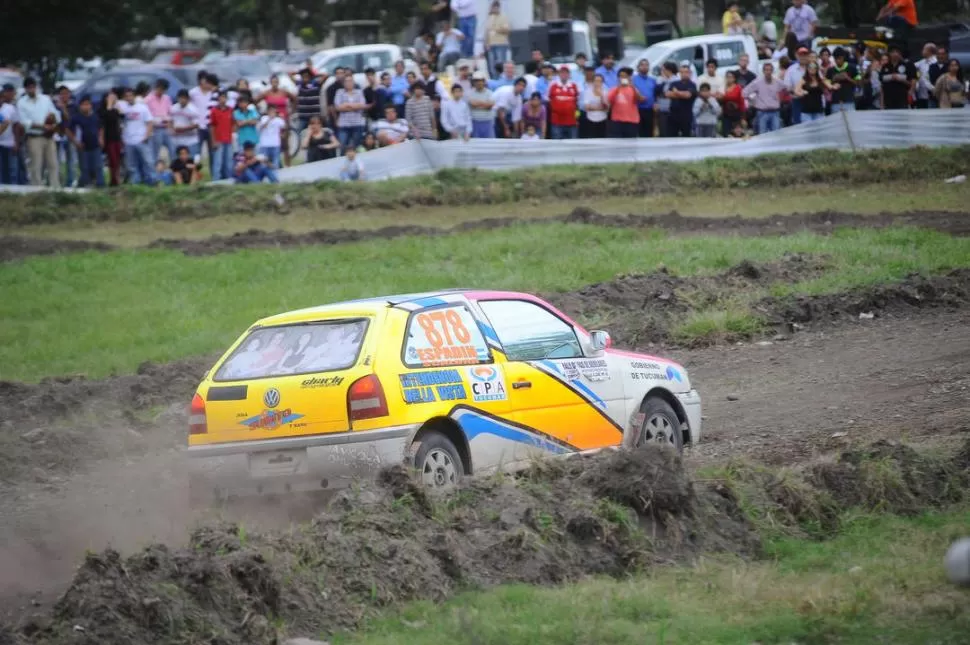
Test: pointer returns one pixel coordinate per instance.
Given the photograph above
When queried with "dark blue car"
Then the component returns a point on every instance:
(101, 82)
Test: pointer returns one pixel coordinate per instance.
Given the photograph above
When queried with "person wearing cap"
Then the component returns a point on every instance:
(497, 30)
(464, 76)
(9, 135)
(480, 104)
(624, 100)
(563, 102)
(608, 71)
(800, 19)
(794, 74)
(844, 77)
(248, 167)
(39, 118)
(898, 80)
(647, 86)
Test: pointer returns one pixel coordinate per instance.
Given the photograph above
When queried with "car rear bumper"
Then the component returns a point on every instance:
(691, 402)
(294, 464)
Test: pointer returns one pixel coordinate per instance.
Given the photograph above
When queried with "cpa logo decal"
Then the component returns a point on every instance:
(271, 398)
(674, 375)
(487, 383)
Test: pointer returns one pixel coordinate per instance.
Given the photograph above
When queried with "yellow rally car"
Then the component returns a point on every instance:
(454, 382)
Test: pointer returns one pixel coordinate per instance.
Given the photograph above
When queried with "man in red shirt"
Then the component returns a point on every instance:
(220, 138)
(563, 103)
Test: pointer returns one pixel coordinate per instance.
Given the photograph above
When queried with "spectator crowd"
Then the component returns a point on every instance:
(145, 137)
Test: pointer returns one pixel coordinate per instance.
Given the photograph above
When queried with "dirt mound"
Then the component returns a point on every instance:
(152, 384)
(12, 248)
(16, 247)
(914, 293)
(393, 543)
(641, 308)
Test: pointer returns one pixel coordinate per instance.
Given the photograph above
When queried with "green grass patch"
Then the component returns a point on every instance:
(462, 188)
(880, 581)
(716, 325)
(97, 313)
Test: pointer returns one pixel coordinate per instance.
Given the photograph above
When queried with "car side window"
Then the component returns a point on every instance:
(727, 54)
(439, 336)
(344, 60)
(529, 332)
(104, 84)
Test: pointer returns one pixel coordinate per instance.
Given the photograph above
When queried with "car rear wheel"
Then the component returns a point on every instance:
(660, 425)
(438, 462)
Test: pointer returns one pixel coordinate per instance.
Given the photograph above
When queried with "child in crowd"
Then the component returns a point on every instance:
(250, 169)
(185, 169)
(163, 176)
(353, 169)
(271, 127)
(530, 133)
(706, 112)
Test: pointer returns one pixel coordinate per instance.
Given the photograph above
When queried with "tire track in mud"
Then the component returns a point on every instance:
(16, 247)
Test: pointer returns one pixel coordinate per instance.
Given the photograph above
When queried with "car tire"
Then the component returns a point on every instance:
(660, 425)
(437, 461)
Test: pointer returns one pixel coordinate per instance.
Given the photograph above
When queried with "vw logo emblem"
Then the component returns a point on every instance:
(271, 398)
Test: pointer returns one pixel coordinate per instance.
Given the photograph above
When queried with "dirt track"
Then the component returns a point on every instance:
(15, 247)
(904, 377)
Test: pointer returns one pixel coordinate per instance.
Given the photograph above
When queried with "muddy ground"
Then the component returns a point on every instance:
(903, 377)
(15, 247)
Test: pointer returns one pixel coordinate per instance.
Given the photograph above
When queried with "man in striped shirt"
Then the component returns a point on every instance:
(307, 97)
(350, 106)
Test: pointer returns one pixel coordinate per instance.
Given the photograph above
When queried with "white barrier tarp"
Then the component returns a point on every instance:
(843, 131)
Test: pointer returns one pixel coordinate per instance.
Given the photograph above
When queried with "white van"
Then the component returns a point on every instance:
(726, 50)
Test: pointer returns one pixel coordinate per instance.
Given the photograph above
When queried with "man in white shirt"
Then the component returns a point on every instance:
(39, 118)
(203, 98)
(794, 74)
(185, 123)
(924, 89)
(391, 129)
(711, 78)
(467, 12)
(9, 122)
(508, 108)
(802, 20)
(449, 46)
(136, 135)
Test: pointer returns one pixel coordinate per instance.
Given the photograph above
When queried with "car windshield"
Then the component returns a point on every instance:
(296, 57)
(653, 53)
(79, 74)
(211, 56)
(251, 67)
(295, 349)
(14, 79)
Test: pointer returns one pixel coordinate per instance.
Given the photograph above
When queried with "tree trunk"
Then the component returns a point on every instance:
(550, 9)
(713, 9)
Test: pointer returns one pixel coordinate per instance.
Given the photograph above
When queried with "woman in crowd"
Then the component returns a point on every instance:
(596, 107)
(950, 90)
(284, 102)
(319, 142)
(811, 90)
(732, 117)
(534, 113)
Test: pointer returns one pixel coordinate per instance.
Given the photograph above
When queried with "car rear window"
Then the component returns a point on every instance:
(295, 349)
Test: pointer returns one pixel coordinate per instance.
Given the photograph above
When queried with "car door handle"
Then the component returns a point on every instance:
(521, 385)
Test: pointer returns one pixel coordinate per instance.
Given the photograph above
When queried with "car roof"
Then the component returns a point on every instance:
(362, 305)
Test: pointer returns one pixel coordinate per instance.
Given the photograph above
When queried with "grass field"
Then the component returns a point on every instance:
(463, 188)
(880, 581)
(101, 313)
(747, 202)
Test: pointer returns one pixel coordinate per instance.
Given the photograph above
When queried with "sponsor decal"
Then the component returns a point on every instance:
(673, 374)
(428, 387)
(591, 370)
(326, 381)
(487, 383)
(670, 373)
(271, 398)
(271, 419)
(645, 365)
(447, 336)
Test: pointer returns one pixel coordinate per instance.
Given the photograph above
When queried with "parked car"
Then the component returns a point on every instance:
(359, 57)
(98, 85)
(290, 63)
(178, 57)
(13, 77)
(453, 382)
(253, 68)
(726, 50)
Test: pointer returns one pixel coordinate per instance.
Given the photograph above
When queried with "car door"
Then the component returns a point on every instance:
(568, 400)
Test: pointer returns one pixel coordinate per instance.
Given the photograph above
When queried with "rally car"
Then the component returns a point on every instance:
(455, 383)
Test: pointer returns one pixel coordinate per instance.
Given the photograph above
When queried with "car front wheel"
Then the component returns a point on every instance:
(661, 425)
(438, 462)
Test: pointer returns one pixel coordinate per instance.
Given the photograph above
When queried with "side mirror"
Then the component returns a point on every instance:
(599, 340)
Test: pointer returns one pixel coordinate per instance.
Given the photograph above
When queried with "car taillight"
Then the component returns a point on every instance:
(197, 424)
(365, 399)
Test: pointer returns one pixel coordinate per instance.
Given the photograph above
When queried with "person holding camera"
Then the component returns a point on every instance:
(40, 118)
